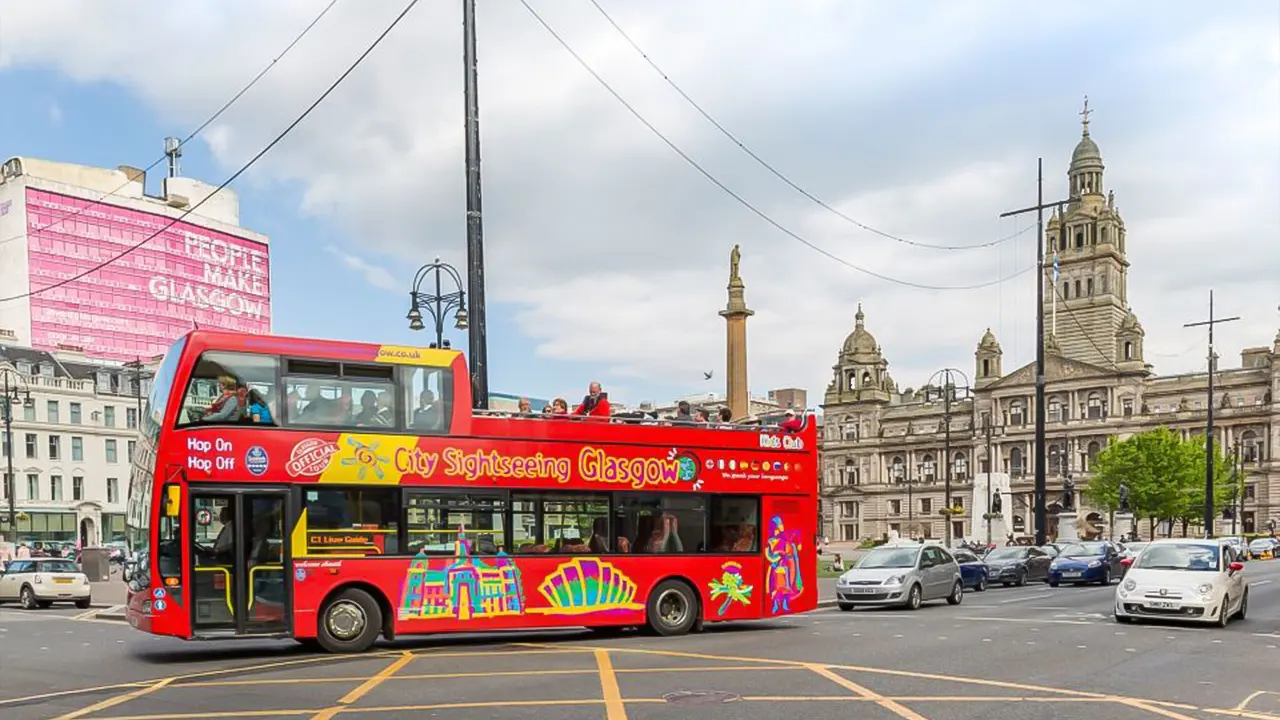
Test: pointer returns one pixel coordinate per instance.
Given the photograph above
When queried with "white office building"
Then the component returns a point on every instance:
(69, 446)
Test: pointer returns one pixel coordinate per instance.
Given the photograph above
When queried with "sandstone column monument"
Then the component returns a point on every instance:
(735, 315)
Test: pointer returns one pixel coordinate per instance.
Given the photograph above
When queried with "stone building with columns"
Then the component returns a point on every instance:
(882, 448)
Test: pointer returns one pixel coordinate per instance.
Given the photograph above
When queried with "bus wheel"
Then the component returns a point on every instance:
(672, 608)
(350, 622)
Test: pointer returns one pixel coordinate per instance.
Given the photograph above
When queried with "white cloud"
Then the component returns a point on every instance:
(926, 125)
(375, 275)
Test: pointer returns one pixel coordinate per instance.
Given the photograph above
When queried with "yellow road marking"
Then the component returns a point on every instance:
(366, 686)
(1244, 704)
(490, 673)
(117, 700)
(1158, 711)
(614, 709)
(890, 705)
(77, 691)
(1252, 714)
(88, 613)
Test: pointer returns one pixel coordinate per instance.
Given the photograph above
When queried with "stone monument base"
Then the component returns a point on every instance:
(1067, 527)
(1123, 526)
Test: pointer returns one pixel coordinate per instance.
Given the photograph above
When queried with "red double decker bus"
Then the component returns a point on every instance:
(336, 492)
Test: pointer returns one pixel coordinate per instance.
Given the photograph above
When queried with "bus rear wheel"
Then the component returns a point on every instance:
(672, 608)
(349, 623)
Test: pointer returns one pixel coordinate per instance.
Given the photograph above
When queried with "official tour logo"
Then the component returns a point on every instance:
(310, 457)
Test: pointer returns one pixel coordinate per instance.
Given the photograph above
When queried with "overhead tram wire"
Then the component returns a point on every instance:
(243, 169)
(741, 200)
(778, 173)
(212, 119)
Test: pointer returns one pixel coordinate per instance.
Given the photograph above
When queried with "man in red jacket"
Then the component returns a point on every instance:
(595, 404)
(792, 423)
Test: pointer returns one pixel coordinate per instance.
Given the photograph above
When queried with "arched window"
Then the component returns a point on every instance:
(961, 468)
(897, 469)
(1091, 455)
(850, 473)
(1016, 467)
(1250, 447)
(1128, 349)
(1055, 410)
(1017, 413)
(1056, 466)
(986, 367)
(928, 469)
(1094, 406)
(866, 378)
(1104, 233)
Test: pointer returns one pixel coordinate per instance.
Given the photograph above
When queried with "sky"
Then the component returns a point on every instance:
(607, 251)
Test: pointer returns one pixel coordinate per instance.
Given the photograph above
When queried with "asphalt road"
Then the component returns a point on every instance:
(1031, 652)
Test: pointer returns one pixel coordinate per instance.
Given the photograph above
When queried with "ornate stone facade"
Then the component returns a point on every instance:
(882, 448)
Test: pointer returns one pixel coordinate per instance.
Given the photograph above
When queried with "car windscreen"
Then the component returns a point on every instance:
(1007, 553)
(1084, 550)
(60, 566)
(1178, 556)
(889, 558)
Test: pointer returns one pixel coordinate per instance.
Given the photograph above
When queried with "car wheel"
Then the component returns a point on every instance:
(1244, 606)
(1106, 576)
(845, 607)
(28, 598)
(1125, 619)
(1022, 578)
(672, 609)
(914, 597)
(982, 584)
(1224, 617)
(1053, 583)
(957, 594)
(84, 604)
(350, 622)
(1007, 584)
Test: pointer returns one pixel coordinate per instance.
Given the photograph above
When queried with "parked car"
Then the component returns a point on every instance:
(1184, 579)
(902, 575)
(40, 582)
(1016, 565)
(1095, 561)
(973, 570)
(1263, 548)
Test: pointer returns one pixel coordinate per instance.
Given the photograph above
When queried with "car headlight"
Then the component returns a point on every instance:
(1205, 589)
(844, 579)
(1095, 563)
(1129, 585)
(895, 580)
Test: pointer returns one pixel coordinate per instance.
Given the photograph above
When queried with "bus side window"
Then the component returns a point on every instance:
(230, 388)
(428, 400)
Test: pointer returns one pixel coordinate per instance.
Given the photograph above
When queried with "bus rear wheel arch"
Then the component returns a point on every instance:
(673, 608)
(350, 621)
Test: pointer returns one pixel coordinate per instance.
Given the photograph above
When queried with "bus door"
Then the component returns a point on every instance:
(239, 561)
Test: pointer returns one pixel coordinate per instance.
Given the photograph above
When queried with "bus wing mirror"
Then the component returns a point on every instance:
(172, 501)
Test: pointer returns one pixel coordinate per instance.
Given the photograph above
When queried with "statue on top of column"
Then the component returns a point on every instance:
(735, 257)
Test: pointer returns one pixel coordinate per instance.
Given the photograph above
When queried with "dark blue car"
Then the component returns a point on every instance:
(973, 571)
(1086, 562)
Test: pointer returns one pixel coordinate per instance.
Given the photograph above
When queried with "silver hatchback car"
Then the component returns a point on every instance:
(901, 575)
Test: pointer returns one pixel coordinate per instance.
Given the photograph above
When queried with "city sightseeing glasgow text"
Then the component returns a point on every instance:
(594, 465)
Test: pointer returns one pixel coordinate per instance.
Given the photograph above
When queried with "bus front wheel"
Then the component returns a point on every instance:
(672, 608)
(350, 622)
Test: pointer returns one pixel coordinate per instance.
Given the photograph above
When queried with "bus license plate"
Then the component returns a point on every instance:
(1162, 605)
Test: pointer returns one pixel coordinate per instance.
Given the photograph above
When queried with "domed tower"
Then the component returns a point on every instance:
(987, 360)
(1129, 343)
(861, 372)
(1086, 270)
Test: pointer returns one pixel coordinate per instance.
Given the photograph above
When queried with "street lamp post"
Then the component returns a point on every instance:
(136, 366)
(12, 394)
(439, 304)
(952, 384)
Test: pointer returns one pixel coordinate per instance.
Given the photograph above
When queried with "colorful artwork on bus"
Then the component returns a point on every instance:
(783, 553)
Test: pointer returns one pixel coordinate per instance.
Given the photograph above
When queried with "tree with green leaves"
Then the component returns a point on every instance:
(1164, 474)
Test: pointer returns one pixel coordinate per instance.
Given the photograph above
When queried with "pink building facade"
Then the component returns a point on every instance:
(170, 276)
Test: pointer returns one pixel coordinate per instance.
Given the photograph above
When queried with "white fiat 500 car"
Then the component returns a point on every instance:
(1184, 579)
